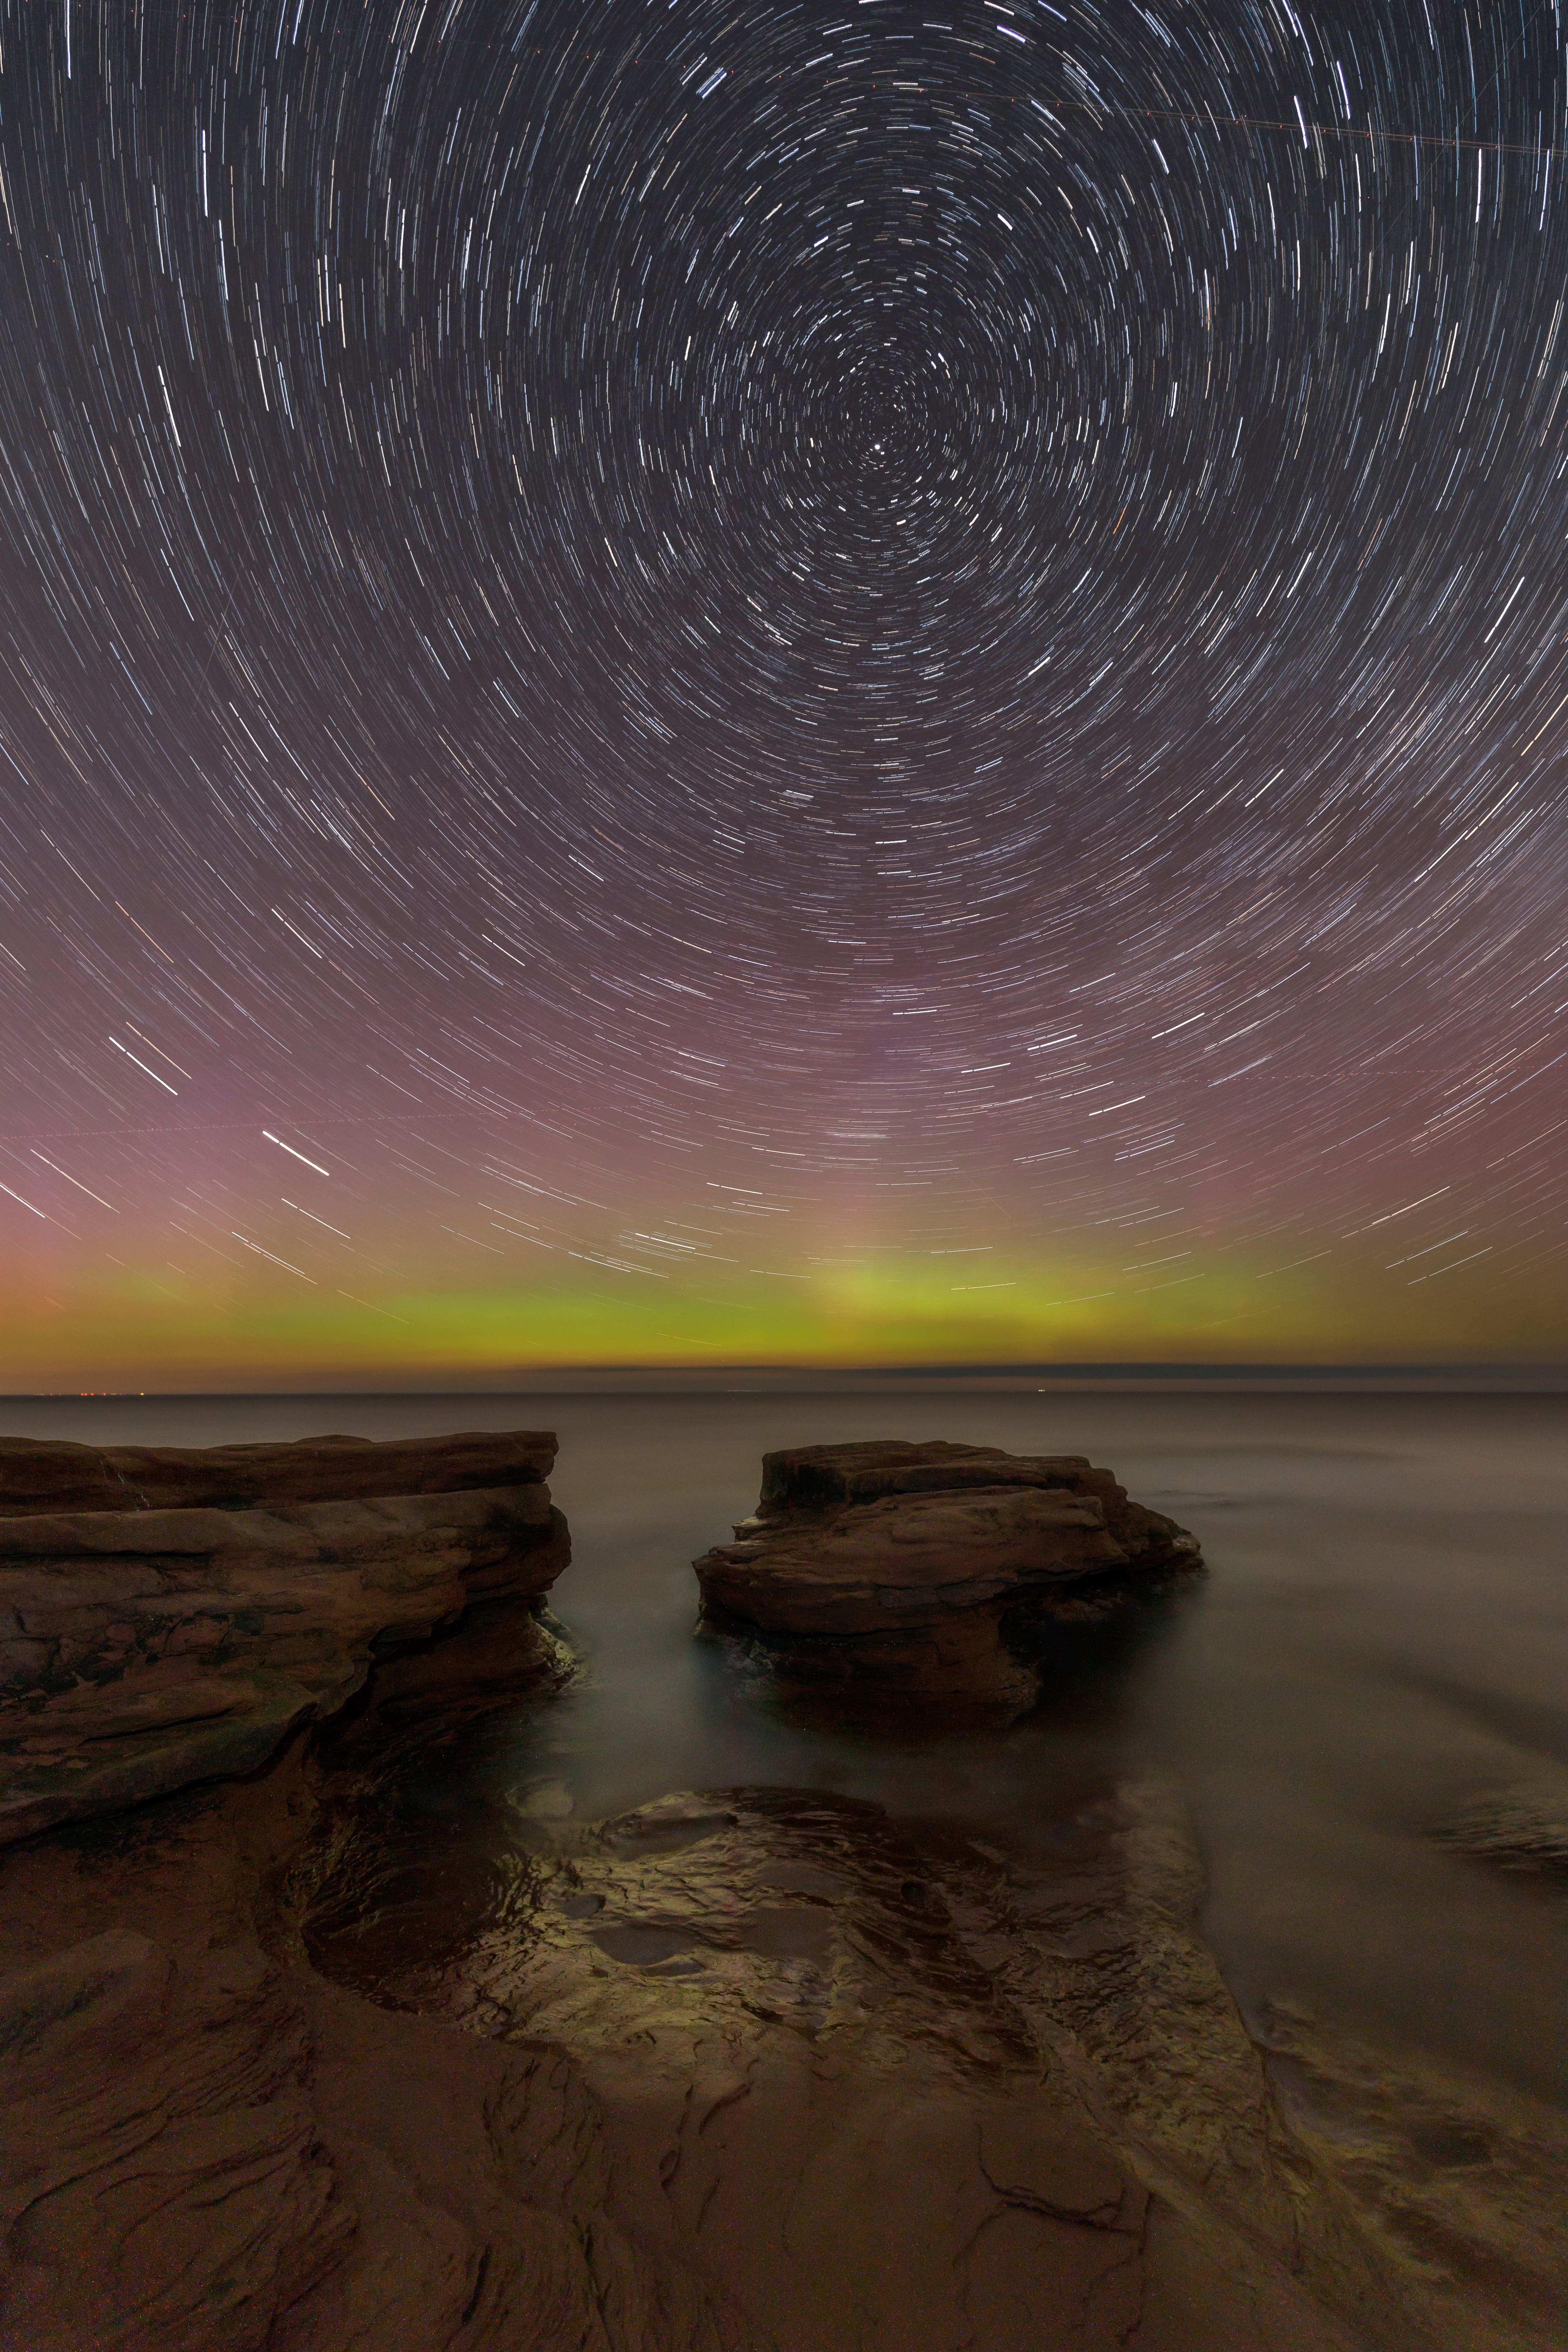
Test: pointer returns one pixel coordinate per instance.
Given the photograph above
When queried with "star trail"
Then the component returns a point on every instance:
(806, 684)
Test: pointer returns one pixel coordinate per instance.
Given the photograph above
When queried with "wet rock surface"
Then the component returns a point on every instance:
(1522, 1829)
(206, 2148)
(933, 1573)
(743, 2070)
(1458, 2181)
(889, 2088)
(145, 1647)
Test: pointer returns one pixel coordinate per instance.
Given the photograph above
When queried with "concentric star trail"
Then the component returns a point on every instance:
(867, 683)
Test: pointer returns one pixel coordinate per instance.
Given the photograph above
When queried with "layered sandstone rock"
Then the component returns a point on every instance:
(144, 1646)
(206, 2148)
(932, 1571)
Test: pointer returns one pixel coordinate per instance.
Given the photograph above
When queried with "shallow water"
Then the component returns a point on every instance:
(1381, 1641)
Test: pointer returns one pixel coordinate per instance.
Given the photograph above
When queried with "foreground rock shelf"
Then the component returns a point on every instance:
(169, 1615)
(890, 2091)
(933, 1573)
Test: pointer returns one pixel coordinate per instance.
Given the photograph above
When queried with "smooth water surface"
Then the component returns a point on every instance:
(1381, 1641)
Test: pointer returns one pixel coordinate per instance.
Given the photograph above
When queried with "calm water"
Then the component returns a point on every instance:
(1382, 1640)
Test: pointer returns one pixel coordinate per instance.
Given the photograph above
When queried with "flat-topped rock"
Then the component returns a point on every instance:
(42, 1473)
(933, 1570)
(145, 1648)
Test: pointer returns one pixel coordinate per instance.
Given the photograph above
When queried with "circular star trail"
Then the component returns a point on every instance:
(861, 683)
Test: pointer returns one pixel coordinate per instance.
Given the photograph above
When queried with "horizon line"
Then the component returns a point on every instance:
(806, 1377)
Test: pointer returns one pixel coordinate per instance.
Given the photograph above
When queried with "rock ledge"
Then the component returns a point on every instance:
(145, 1647)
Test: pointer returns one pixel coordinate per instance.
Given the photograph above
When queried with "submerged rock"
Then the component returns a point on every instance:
(1522, 1828)
(934, 1572)
(1456, 2176)
(142, 1648)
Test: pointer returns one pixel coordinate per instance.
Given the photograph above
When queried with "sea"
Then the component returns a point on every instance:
(1376, 1657)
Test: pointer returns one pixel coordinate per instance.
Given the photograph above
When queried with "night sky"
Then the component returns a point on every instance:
(856, 684)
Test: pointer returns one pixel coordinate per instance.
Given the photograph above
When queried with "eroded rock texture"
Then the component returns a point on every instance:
(146, 1645)
(933, 1572)
(206, 2148)
(888, 2091)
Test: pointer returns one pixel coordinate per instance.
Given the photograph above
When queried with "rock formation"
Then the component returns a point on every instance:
(169, 1615)
(1522, 1828)
(933, 1572)
(353, 2050)
(51, 1474)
